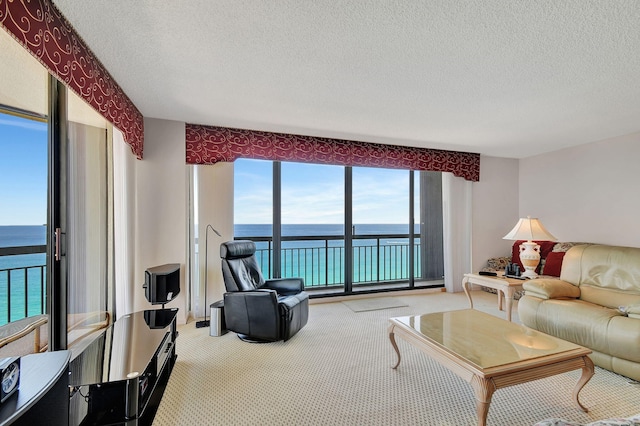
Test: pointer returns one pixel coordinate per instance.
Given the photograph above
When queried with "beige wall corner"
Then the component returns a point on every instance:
(161, 208)
(215, 208)
(588, 193)
(495, 209)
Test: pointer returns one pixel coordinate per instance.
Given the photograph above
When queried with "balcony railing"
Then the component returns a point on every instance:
(320, 260)
(22, 282)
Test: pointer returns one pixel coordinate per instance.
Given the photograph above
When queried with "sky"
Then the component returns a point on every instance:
(314, 194)
(311, 193)
(23, 171)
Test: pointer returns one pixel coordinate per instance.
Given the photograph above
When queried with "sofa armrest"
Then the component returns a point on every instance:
(285, 286)
(551, 289)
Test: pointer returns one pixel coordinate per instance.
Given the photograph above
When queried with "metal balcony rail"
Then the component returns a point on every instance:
(22, 288)
(319, 259)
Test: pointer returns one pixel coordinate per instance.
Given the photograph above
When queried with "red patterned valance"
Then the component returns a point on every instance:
(208, 145)
(43, 31)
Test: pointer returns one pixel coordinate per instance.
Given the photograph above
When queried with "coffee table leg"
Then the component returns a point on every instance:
(587, 374)
(465, 286)
(392, 337)
(483, 390)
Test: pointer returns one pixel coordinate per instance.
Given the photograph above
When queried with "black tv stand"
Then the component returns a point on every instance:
(121, 376)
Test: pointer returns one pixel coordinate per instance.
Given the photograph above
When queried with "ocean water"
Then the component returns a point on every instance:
(16, 270)
(375, 259)
(384, 258)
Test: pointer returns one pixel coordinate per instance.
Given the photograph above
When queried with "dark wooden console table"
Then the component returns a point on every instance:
(121, 376)
(43, 393)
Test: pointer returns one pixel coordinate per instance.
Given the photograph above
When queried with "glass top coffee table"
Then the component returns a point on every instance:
(489, 352)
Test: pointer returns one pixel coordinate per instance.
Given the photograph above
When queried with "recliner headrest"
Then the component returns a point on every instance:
(237, 249)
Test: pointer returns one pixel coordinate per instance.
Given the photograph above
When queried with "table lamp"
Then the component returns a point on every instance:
(529, 229)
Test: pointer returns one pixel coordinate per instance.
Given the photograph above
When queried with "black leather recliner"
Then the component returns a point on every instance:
(255, 309)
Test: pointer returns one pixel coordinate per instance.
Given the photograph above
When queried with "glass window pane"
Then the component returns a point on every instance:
(87, 218)
(23, 191)
(253, 211)
(313, 223)
(380, 225)
(87, 244)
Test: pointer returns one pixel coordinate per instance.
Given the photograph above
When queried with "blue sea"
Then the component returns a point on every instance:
(324, 229)
(12, 269)
(375, 259)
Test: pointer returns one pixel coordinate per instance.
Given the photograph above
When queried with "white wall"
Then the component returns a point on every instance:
(215, 198)
(495, 209)
(161, 220)
(587, 193)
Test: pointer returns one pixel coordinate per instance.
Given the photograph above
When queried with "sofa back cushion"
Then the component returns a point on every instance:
(607, 275)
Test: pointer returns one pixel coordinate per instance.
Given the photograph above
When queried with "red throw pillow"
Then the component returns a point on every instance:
(553, 264)
(545, 249)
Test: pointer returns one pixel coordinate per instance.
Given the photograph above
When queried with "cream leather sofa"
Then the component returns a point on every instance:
(595, 303)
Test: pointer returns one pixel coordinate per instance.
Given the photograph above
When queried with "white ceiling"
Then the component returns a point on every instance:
(503, 78)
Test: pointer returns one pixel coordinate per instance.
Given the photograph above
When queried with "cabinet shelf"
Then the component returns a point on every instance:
(120, 377)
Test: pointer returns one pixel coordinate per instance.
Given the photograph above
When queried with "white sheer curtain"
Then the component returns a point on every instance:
(123, 218)
(87, 233)
(457, 219)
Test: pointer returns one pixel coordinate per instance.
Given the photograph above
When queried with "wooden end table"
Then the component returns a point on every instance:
(506, 287)
(491, 353)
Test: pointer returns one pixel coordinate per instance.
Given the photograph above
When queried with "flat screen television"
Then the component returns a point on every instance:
(162, 283)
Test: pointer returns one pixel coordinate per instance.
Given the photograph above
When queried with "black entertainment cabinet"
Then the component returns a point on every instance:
(120, 377)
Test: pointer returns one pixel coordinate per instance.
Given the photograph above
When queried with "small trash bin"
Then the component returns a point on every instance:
(217, 326)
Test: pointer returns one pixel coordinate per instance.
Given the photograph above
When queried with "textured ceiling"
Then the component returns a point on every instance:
(503, 78)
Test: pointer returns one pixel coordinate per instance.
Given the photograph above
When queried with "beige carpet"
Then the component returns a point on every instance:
(337, 371)
(374, 303)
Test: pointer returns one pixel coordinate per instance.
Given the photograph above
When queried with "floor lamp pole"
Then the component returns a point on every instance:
(205, 323)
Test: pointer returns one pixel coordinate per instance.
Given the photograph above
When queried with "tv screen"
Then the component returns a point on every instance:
(162, 283)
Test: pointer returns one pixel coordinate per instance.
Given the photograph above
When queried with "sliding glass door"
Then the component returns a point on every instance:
(23, 197)
(55, 221)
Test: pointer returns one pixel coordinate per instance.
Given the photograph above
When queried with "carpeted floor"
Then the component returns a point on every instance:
(374, 303)
(337, 371)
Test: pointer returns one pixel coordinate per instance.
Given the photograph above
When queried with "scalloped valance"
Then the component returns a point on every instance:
(209, 145)
(41, 29)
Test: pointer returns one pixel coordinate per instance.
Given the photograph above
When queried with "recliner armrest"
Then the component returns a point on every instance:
(254, 313)
(285, 286)
(551, 289)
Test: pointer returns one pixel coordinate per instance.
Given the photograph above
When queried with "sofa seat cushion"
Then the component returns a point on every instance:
(551, 289)
(580, 322)
(624, 333)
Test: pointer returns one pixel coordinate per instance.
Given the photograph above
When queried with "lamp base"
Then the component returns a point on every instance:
(530, 258)
(204, 323)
